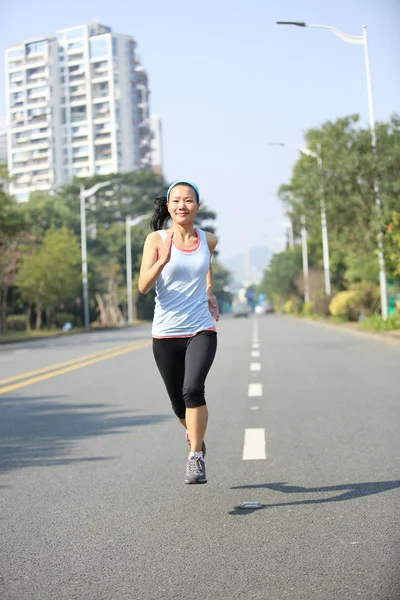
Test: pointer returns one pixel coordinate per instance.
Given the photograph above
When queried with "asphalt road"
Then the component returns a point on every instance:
(92, 464)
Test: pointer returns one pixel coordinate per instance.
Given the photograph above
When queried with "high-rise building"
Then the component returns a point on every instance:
(3, 141)
(78, 105)
(156, 144)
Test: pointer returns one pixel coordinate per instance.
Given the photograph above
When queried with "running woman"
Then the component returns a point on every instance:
(178, 262)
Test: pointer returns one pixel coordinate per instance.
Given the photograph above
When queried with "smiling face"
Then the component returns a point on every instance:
(182, 204)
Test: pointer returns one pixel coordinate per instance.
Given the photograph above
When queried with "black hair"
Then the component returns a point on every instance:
(161, 213)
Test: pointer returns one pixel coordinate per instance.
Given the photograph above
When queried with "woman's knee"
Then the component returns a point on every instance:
(193, 396)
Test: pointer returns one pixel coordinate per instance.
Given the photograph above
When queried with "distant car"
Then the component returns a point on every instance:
(240, 309)
(264, 308)
(269, 308)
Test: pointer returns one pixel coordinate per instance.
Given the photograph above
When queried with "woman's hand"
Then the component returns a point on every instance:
(213, 307)
(165, 251)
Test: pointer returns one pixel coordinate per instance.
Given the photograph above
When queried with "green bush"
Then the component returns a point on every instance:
(17, 322)
(288, 307)
(376, 323)
(368, 299)
(61, 318)
(308, 309)
(346, 304)
(293, 305)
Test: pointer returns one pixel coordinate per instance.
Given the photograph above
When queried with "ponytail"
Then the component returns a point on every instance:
(161, 214)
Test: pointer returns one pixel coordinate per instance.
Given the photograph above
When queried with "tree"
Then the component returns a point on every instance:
(13, 241)
(393, 245)
(221, 281)
(51, 275)
(46, 211)
(280, 278)
(347, 180)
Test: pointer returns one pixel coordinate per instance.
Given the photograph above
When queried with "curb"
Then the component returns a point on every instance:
(388, 338)
(66, 334)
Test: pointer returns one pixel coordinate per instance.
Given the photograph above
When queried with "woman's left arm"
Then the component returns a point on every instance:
(212, 242)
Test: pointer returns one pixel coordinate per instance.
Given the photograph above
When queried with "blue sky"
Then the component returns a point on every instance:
(226, 80)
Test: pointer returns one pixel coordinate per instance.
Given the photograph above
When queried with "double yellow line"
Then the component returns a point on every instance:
(24, 379)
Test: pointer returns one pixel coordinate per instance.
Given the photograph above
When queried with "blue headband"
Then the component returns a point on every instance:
(183, 181)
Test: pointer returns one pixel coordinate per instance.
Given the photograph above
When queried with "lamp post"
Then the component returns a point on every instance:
(83, 195)
(362, 39)
(324, 225)
(128, 224)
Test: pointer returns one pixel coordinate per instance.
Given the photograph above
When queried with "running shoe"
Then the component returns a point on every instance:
(195, 470)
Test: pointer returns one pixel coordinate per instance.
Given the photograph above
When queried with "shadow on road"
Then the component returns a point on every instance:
(42, 430)
(351, 492)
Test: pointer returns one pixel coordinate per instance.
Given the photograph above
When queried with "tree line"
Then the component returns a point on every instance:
(350, 178)
(40, 253)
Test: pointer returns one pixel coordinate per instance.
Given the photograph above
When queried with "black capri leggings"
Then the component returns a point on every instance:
(184, 364)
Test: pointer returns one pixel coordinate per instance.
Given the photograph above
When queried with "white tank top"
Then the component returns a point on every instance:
(181, 308)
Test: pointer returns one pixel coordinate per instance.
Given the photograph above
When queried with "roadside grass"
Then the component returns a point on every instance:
(374, 323)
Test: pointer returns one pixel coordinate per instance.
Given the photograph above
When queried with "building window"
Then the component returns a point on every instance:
(75, 33)
(98, 47)
(36, 48)
(75, 45)
(16, 76)
(16, 53)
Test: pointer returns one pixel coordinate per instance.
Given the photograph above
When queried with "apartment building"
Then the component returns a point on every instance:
(3, 141)
(78, 105)
(156, 144)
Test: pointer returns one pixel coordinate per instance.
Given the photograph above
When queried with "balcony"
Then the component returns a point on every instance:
(104, 167)
(17, 104)
(82, 172)
(101, 117)
(78, 118)
(77, 91)
(103, 138)
(18, 156)
(21, 168)
(16, 85)
(38, 119)
(15, 65)
(100, 97)
(77, 78)
(40, 135)
(19, 141)
(37, 102)
(40, 162)
(38, 93)
(75, 56)
(40, 154)
(78, 101)
(79, 132)
(17, 122)
(35, 83)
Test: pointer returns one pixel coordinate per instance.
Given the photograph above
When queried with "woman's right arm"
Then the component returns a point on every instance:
(154, 260)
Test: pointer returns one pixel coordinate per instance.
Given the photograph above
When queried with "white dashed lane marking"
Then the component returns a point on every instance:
(255, 366)
(255, 354)
(255, 389)
(254, 444)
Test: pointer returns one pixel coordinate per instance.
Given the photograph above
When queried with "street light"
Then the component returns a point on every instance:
(324, 225)
(83, 195)
(128, 224)
(362, 39)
